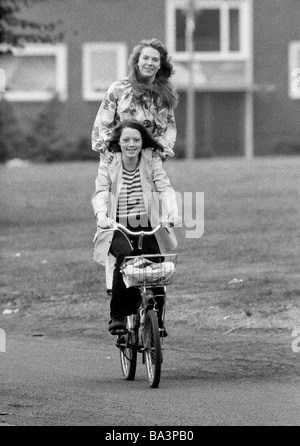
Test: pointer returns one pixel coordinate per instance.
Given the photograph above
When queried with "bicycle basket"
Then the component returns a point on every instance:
(149, 270)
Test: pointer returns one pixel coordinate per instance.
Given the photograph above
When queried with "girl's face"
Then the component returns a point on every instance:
(149, 63)
(131, 144)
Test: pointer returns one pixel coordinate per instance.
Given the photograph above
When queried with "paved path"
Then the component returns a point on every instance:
(78, 382)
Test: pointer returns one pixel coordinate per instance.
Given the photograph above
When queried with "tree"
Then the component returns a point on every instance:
(15, 30)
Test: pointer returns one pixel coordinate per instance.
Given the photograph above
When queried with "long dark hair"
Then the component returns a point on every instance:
(161, 89)
(147, 139)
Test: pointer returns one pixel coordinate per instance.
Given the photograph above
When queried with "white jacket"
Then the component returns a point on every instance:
(155, 186)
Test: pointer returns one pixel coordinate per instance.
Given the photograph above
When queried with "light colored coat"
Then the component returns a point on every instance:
(155, 186)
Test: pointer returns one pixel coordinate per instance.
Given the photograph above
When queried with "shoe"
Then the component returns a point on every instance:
(121, 341)
(117, 324)
(162, 331)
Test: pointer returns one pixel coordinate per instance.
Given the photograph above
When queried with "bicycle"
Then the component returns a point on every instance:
(143, 333)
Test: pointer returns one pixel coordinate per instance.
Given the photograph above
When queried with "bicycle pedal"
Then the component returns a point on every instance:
(119, 331)
(121, 339)
(121, 344)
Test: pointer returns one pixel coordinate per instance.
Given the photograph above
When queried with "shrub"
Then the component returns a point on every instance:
(287, 147)
(3, 151)
(84, 152)
(44, 143)
(11, 135)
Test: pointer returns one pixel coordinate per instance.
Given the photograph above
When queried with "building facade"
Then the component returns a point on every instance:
(243, 69)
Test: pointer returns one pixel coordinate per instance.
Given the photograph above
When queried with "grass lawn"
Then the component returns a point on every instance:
(251, 233)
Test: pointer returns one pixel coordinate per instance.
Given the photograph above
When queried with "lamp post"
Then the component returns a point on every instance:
(190, 96)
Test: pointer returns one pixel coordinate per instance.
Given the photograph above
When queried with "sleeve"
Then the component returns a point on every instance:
(102, 189)
(168, 138)
(105, 120)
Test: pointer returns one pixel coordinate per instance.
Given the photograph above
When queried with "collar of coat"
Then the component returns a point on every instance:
(147, 156)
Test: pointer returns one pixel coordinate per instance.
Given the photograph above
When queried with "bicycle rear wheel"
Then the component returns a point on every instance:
(128, 356)
(152, 346)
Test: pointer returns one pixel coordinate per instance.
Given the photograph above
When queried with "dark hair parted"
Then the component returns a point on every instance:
(147, 139)
(162, 90)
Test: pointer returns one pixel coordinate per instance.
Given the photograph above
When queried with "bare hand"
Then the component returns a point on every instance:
(104, 222)
(174, 220)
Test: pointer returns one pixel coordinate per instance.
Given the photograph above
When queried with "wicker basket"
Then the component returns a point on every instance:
(149, 270)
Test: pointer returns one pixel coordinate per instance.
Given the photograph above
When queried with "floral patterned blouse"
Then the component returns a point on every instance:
(119, 105)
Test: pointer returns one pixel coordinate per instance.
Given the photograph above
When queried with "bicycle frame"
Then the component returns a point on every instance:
(142, 332)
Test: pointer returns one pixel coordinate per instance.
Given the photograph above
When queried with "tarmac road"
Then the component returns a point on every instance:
(70, 382)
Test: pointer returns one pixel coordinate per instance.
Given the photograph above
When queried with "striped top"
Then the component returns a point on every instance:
(131, 201)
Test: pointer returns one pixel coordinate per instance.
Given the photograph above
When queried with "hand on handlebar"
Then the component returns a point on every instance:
(171, 221)
(174, 220)
(103, 222)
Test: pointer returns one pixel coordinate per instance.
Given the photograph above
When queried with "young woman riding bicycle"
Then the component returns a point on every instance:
(129, 190)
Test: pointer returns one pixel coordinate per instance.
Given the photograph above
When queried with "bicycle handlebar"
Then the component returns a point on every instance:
(119, 226)
(160, 225)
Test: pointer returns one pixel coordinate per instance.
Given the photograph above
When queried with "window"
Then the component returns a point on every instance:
(36, 73)
(217, 30)
(207, 30)
(103, 63)
(294, 70)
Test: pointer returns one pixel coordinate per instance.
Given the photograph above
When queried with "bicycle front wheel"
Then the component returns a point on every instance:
(152, 346)
(128, 356)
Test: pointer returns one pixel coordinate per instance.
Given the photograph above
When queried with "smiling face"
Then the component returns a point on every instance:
(149, 63)
(131, 145)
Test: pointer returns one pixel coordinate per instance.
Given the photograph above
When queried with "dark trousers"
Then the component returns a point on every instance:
(125, 301)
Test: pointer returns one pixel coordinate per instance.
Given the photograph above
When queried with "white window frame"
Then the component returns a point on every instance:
(87, 48)
(224, 5)
(60, 54)
(294, 70)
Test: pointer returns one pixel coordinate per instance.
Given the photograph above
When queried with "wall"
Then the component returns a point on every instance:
(88, 21)
(276, 116)
(275, 22)
(219, 124)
